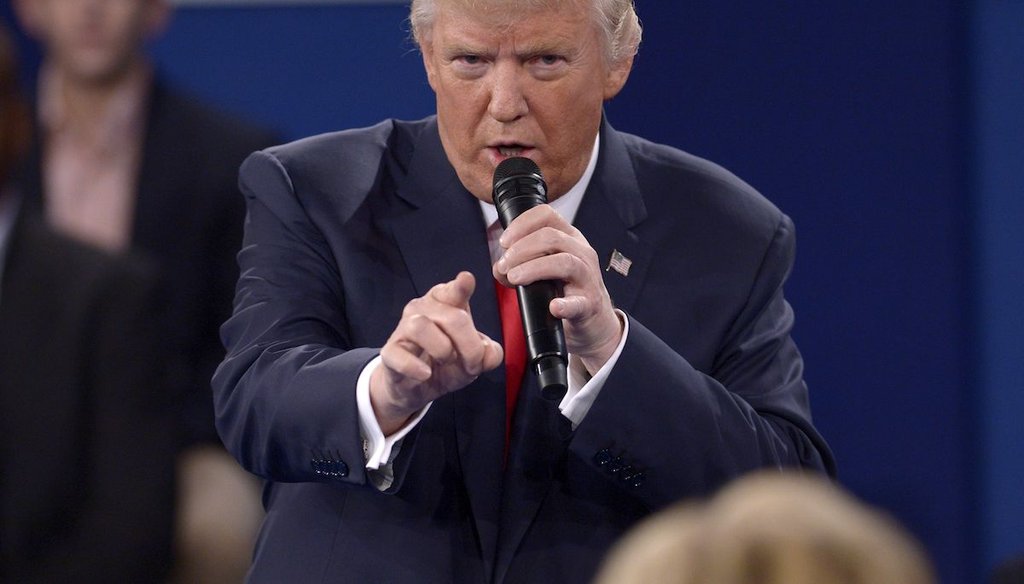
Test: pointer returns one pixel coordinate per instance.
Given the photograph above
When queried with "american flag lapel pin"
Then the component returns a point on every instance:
(619, 263)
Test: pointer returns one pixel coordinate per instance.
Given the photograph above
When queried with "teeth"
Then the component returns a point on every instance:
(510, 150)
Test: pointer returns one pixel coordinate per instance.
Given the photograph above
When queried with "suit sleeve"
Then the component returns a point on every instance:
(285, 396)
(660, 424)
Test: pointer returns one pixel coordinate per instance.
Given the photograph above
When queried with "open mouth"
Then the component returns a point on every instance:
(510, 150)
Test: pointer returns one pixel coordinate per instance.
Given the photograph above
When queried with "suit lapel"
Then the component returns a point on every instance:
(611, 208)
(441, 233)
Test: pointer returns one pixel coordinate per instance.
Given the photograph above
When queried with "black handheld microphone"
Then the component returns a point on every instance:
(518, 187)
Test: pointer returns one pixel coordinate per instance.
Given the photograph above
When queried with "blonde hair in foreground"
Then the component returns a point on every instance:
(769, 529)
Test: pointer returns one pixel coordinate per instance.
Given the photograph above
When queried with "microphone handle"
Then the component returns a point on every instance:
(518, 187)
(545, 339)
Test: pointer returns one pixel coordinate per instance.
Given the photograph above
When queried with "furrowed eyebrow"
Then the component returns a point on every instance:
(563, 50)
(462, 48)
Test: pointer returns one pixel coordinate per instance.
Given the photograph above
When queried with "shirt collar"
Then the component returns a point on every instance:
(567, 204)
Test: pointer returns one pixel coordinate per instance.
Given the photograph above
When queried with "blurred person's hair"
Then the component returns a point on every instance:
(769, 529)
(15, 123)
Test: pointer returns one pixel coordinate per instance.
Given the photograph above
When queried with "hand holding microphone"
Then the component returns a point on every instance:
(519, 187)
(564, 302)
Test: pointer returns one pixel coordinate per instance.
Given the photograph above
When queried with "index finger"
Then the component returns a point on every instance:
(455, 292)
(531, 220)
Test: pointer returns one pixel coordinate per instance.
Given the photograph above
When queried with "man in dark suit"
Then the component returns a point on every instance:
(124, 161)
(86, 427)
(364, 376)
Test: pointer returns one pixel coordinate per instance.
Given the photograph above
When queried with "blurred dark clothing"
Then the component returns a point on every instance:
(188, 219)
(86, 427)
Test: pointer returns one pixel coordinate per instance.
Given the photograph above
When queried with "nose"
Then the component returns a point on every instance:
(508, 101)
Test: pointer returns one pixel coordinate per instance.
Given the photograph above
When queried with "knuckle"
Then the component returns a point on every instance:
(442, 350)
(417, 323)
(412, 307)
(581, 305)
(551, 237)
(455, 319)
(569, 263)
(461, 319)
(393, 359)
(574, 307)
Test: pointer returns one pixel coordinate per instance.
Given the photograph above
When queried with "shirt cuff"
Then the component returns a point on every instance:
(377, 448)
(584, 389)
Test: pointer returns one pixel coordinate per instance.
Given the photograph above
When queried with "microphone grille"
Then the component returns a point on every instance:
(516, 166)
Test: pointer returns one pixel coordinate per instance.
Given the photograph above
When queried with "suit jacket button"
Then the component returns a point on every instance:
(317, 466)
(341, 469)
(616, 465)
(602, 457)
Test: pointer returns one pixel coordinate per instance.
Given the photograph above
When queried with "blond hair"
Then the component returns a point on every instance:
(769, 529)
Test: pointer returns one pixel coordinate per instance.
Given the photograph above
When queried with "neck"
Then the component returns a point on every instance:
(85, 100)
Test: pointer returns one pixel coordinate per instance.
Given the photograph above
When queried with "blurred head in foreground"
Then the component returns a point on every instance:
(769, 529)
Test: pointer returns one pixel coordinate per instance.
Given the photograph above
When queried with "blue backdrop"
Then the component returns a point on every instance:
(890, 131)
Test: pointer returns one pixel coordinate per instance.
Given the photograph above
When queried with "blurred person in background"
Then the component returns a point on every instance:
(123, 161)
(769, 528)
(86, 426)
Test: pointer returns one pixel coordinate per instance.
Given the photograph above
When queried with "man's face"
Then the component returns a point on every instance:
(529, 84)
(92, 40)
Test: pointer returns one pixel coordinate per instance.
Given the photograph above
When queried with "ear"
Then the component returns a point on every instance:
(616, 77)
(30, 16)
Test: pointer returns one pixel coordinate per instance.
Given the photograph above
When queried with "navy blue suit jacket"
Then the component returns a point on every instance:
(343, 229)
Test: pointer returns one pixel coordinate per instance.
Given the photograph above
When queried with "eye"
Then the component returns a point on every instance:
(468, 65)
(548, 66)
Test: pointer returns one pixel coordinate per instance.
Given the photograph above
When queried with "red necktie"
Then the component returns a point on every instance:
(515, 351)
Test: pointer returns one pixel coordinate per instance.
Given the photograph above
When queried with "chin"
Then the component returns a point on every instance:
(92, 71)
(97, 66)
